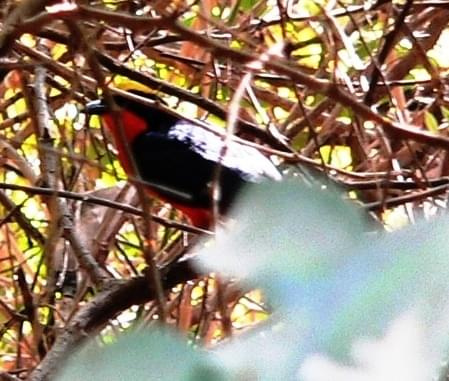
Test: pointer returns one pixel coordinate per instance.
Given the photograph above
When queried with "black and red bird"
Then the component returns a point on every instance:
(177, 159)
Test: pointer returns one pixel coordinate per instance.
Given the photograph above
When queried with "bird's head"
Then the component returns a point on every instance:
(139, 112)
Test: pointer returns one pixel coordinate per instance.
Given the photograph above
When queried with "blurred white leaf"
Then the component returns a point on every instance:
(285, 227)
(145, 355)
(265, 354)
(399, 356)
(330, 278)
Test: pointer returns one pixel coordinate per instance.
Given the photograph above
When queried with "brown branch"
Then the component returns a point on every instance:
(24, 223)
(390, 40)
(24, 10)
(395, 130)
(153, 274)
(49, 162)
(436, 25)
(340, 12)
(105, 306)
(85, 197)
(413, 197)
(4, 376)
(165, 87)
(118, 68)
(282, 67)
(20, 22)
(30, 309)
(393, 184)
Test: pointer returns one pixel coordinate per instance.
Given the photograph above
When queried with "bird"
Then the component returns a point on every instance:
(176, 160)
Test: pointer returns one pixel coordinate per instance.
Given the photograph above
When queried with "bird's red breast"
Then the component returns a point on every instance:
(133, 125)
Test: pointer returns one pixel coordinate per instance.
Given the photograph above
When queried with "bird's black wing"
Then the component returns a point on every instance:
(180, 164)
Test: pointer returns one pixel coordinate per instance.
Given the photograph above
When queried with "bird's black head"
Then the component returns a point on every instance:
(100, 106)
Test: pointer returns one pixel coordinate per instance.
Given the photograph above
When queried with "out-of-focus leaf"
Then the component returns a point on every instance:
(28, 40)
(330, 281)
(309, 50)
(246, 5)
(266, 354)
(300, 140)
(240, 5)
(58, 50)
(339, 156)
(420, 74)
(445, 112)
(439, 52)
(430, 121)
(284, 227)
(398, 355)
(150, 355)
(125, 83)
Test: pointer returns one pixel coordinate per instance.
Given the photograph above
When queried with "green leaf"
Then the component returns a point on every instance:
(338, 156)
(445, 112)
(430, 121)
(143, 355)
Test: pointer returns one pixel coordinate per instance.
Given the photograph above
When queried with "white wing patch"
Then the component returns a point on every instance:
(247, 160)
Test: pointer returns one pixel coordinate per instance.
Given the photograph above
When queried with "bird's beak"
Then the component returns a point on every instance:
(96, 107)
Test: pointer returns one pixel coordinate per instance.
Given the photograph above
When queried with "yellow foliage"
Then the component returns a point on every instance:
(338, 156)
